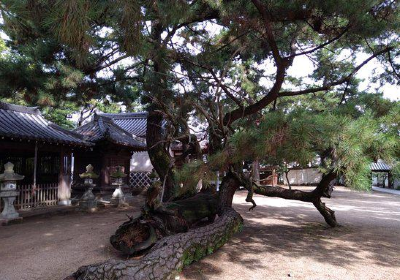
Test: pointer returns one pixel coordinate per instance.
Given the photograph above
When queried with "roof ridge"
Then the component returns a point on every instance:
(101, 125)
(125, 131)
(124, 115)
(19, 108)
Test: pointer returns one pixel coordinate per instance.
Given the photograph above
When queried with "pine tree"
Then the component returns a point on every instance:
(223, 62)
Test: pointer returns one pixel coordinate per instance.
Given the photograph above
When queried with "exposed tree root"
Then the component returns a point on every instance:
(166, 219)
(170, 254)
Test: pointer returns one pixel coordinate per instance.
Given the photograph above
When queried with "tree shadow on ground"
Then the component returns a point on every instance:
(294, 232)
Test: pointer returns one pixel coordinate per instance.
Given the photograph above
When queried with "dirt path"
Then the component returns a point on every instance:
(280, 238)
(55, 246)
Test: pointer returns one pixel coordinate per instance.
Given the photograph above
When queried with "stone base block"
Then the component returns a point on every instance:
(7, 222)
(66, 202)
(88, 205)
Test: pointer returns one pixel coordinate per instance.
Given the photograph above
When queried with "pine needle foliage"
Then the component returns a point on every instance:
(354, 139)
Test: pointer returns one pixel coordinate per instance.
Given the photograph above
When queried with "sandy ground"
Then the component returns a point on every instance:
(52, 247)
(285, 239)
(281, 240)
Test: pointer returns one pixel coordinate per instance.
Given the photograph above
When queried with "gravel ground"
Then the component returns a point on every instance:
(281, 239)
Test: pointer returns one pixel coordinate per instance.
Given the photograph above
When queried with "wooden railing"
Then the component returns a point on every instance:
(41, 196)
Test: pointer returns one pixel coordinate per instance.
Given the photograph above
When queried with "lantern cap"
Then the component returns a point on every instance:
(9, 174)
(89, 174)
(118, 173)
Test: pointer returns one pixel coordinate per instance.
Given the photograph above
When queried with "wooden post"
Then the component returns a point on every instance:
(273, 177)
(64, 180)
(35, 165)
(104, 180)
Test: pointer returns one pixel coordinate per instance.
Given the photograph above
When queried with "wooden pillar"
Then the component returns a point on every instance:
(64, 179)
(274, 181)
(104, 171)
(35, 165)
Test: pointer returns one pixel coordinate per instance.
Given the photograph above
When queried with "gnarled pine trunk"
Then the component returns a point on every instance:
(140, 234)
(159, 157)
(169, 255)
(228, 187)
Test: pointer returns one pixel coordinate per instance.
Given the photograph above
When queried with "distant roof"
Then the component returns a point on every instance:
(134, 123)
(379, 166)
(103, 127)
(28, 123)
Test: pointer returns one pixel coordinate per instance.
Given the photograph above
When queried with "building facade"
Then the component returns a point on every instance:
(41, 151)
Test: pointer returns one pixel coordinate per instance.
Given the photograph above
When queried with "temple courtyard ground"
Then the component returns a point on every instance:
(280, 240)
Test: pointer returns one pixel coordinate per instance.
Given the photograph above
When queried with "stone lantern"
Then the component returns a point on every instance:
(88, 200)
(118, 195)
(8, 192)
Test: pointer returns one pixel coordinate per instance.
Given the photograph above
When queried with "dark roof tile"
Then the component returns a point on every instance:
(134, 123)
(28, 123)
(379, 166)
(102, 127)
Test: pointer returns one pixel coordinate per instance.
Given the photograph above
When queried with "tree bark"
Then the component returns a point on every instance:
(256, 171)
(160, 97)
(169, 255)
(328, 214)
(140, 234)
(228, 187)
(287, 179)
(159, 157)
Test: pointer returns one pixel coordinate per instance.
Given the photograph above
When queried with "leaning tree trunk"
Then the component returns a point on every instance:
(314, 196)
(159, 157)
(228, 187)
(169, 255)
(287, 180)
(327, 213)
(160, 99)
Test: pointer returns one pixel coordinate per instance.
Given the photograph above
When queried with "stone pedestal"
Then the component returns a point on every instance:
(9, 211)
(118, 196)
(88, 201)
(8, 193)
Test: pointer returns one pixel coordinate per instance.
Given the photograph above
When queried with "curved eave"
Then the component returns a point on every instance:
(134, 146)
(15, 137)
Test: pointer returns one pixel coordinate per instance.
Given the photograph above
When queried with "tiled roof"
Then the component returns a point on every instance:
(22, 122)
(102, 127)
(134, 123)
(379, 166)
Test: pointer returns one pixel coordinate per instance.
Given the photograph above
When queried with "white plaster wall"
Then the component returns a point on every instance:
(140, 162)
(396, 183)
(303, 176)
(375, 182)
